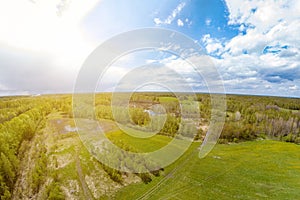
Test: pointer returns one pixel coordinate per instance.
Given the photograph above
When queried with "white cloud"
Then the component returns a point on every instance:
(208, 22)
(172, 16)
(293, 87)
(45, 40)
(180, 22)
(157, 21)
(266, 53)
(212, 45)
(149, 61)
(264, 23)
(48, 27)
(268, 86)
(262, 14)
(188, 22)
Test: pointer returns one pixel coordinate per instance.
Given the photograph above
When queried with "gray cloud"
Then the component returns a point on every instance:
(30, 72)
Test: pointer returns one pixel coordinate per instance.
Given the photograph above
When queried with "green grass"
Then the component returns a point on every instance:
(167, 99)
(249, 170)
(140, 144)
(137, 133)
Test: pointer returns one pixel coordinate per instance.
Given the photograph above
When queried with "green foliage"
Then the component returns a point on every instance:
(39, 172)
(114, 174)
(7, 170)
(139, 116)
(297, 140)
(289, 138)
(199, 134)
(20, 119)
(146, 177)
(264, 117)
(171, 126)
(4, 189)
(248, 117)
(54, 192)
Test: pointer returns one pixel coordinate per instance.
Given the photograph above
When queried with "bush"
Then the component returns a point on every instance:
(146, 177)
(288, 138)
(223, 141)
(262, 135)
(156, 173)
(297, 140)
(114, 174)
(54, 192)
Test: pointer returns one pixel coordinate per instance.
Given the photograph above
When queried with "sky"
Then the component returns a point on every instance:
(254, 44)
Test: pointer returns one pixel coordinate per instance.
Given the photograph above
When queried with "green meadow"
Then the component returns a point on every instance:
(249, 170)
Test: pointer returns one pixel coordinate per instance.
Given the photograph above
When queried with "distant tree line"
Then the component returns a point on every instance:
(251, 117)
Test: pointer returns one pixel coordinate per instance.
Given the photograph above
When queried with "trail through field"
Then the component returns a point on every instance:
(198, 183)
(150, 192)
(249, 170)
(86, 190)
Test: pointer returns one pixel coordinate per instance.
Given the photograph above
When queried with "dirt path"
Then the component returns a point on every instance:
(156, 187)
(86, 190)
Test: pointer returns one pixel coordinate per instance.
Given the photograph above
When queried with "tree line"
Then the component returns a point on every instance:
(21, 119)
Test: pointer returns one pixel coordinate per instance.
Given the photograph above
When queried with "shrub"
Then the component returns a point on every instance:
(155, 173)
(146, 177)
(288, 138)
(54, 192)
(297, 140)
(223, 141)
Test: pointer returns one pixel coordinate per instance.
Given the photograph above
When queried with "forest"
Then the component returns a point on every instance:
(247, 117)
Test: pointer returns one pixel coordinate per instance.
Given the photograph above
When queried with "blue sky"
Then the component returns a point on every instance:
(139, 14)
(253, 44)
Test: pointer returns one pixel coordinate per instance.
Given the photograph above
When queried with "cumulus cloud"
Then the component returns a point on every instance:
(265, 54)
(262, 14)
(212, 45)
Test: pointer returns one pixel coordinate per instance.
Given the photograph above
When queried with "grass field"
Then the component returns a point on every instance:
(262, 169)
(249, 170)
(140, 144)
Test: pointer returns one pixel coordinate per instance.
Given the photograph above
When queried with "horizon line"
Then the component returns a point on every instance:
(100, 92)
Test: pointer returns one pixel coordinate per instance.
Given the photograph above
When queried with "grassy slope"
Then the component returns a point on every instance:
(250, 170)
